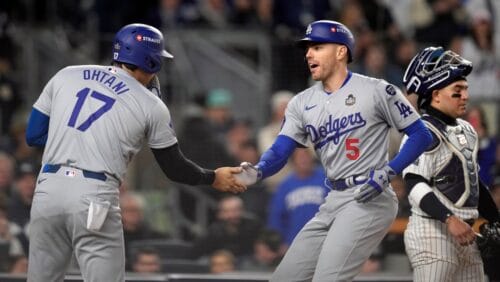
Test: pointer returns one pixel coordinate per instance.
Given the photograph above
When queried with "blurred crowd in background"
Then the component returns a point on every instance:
(251, 231)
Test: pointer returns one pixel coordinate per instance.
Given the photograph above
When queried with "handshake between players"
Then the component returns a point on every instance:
(373, 184)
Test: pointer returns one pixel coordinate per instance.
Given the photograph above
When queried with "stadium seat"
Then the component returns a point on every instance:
(167, 248)
(184, 266)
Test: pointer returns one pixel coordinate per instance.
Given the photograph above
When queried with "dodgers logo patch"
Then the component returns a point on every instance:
(390, 90)
(404, 110)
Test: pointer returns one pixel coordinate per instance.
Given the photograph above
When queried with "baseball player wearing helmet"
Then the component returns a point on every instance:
(445, 191)
(91, 120)
(346, 117)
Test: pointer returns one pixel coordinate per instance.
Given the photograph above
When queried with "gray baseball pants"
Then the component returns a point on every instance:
(336, 242)
(59, 227)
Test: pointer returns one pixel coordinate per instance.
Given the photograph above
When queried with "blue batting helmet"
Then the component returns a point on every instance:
(434, 68)
(329, 32)
(140, 45)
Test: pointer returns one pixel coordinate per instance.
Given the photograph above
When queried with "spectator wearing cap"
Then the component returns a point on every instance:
(200, 123)
(19, 206)
(218, 111)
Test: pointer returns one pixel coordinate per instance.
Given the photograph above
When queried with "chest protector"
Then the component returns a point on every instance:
(457, 180)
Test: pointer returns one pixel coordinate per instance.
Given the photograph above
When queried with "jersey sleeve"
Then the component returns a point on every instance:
(395, 108)
(424, 166)
(44, 101)
(292, 124)
(160, 133)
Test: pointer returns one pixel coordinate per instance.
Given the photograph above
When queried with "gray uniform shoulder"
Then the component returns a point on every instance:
(79, 68)
(376, 82)
(306, 93)
(365, 78)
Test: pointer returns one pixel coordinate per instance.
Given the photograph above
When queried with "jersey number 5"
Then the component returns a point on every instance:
(82, 96)
(352, 148)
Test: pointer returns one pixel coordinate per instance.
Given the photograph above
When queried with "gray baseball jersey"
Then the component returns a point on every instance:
(349, 127)
(349, 130)
(99, 118)
(106, 106)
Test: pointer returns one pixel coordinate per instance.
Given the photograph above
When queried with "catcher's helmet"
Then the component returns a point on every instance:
(434, 68)
(140, 45)
(329, 32)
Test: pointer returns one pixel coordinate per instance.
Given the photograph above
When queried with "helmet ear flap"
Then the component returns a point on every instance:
(150, 62)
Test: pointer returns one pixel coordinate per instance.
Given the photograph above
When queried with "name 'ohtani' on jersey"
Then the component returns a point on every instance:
(339, 126)
(108, 80)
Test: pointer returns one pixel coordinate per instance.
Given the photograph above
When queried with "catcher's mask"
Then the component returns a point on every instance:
(434, 68)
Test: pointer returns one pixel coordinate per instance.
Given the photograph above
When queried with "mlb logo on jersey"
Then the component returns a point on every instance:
(70, 172)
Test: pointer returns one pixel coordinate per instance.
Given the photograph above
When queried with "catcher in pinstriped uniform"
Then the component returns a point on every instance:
(445, 191)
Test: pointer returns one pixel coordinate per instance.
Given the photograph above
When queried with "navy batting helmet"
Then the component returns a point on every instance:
(329, 32)
(434, 68)
(140, 45)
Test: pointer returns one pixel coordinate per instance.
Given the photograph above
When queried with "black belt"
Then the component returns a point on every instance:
(344, 183)
(51, 168)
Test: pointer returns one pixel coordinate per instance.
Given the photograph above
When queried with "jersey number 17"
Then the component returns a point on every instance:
(82, 96)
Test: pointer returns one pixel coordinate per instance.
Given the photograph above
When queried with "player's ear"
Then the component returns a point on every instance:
(435, 95)
(342, 53)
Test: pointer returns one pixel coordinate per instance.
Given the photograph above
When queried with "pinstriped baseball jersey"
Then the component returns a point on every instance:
(432, 162)
(101, 105)
(349, 127)
(433, 252)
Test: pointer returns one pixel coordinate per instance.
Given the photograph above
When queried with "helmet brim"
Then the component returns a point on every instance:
(166, 54)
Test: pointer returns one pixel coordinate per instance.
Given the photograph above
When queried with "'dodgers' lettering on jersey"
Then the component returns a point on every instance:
(110, 81)
(339, 126)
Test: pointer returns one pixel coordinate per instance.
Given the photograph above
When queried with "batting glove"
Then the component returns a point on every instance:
(378, 180)
(250, 174)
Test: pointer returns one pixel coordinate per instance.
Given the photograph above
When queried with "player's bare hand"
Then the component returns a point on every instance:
(226, 182)
(460, 230)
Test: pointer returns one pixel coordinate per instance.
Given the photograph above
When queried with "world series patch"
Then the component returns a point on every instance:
(390, 90)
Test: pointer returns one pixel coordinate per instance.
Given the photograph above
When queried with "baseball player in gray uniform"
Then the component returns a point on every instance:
(346, 117)
(91, 120)
(446, 193)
